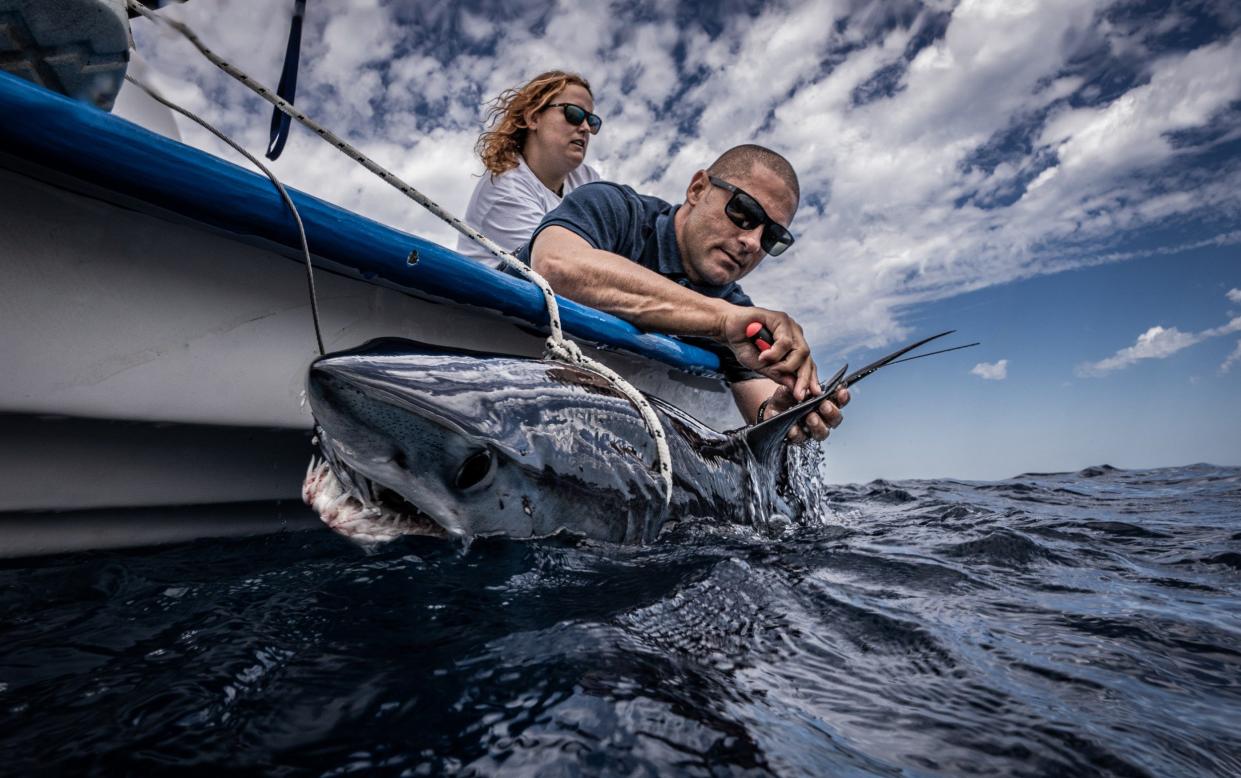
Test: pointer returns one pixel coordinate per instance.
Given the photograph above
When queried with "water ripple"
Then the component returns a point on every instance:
(1053, 624)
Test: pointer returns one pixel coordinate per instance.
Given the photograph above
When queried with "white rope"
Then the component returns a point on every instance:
(557, 347)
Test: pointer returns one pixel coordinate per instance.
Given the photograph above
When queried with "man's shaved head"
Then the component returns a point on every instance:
(738, 161)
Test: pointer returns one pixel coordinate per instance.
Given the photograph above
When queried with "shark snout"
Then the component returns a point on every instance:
(350, 385)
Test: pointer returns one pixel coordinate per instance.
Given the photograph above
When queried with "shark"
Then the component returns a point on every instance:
(420, 439)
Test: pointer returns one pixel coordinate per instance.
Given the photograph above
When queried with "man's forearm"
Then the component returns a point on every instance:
(614, 284)
(749, 395)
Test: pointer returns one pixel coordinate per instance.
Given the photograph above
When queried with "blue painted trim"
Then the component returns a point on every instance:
(86, 143)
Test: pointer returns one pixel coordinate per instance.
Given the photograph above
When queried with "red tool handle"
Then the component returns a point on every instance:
(759, 335)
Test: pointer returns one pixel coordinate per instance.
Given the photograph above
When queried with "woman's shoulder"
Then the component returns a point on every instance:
(583, 174)
(514, 182)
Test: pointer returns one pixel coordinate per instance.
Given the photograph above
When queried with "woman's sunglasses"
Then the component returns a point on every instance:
(576, 114)
(745, 212)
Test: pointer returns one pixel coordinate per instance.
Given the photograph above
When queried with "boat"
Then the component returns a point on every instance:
(157, 329)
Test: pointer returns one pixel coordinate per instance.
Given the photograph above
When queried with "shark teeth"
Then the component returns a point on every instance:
(351, 506)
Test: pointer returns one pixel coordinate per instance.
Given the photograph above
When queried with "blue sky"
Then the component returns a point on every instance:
(1059, 179)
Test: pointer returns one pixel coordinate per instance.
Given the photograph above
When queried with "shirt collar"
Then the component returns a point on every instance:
(666, 238)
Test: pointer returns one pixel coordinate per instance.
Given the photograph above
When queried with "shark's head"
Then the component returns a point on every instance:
(418, 439)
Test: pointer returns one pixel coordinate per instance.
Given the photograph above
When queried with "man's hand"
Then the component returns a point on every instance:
(787, 362)
(820, 422)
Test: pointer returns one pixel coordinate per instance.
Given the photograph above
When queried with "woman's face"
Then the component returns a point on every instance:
(556, 138)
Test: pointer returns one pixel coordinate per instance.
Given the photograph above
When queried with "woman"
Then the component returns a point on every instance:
(534, 156)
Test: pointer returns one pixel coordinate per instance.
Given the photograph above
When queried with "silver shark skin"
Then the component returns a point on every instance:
(418, 439)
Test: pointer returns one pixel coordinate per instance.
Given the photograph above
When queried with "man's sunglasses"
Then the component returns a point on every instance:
(746, 213)
(576, 114)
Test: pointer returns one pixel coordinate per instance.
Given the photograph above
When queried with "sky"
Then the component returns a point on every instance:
(1059, 179)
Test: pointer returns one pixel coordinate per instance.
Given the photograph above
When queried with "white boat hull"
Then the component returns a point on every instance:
(149, 362)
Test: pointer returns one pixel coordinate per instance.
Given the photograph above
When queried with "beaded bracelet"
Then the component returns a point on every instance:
(762, 409)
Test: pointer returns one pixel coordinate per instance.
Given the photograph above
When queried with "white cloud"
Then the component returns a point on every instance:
(1232, 359)
(1234, 296)
(357, 34)
(1158, 343)
(1155, 343)
(1233, 326)
(913, 211)
(997, 371)
(1132, 132)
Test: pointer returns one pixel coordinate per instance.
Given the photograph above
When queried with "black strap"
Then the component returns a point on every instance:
(154, 5)
(287, 89)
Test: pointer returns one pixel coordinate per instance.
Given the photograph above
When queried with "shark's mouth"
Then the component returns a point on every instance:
(359, 508)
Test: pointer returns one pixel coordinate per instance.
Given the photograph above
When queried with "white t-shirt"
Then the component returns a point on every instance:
(507, 207)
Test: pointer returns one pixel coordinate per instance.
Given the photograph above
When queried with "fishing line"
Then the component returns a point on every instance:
(284, 195)
(557, 346)
(933, 353)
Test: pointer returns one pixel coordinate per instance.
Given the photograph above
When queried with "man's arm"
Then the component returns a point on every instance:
(651, 302)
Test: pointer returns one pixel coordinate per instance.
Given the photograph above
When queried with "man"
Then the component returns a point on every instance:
(674, 269)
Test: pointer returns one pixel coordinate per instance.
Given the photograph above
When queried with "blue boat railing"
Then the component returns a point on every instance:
(78, 140)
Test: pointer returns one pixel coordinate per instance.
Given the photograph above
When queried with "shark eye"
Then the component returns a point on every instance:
(474, 470)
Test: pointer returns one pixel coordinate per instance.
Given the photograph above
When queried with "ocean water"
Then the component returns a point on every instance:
(1051, 624)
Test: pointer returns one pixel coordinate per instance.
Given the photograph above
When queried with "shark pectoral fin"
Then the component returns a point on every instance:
(765, 439)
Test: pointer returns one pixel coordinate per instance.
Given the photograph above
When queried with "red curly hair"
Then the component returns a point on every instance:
(499, 146)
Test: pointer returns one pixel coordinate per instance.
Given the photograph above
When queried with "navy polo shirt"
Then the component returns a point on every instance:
(612, 217)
